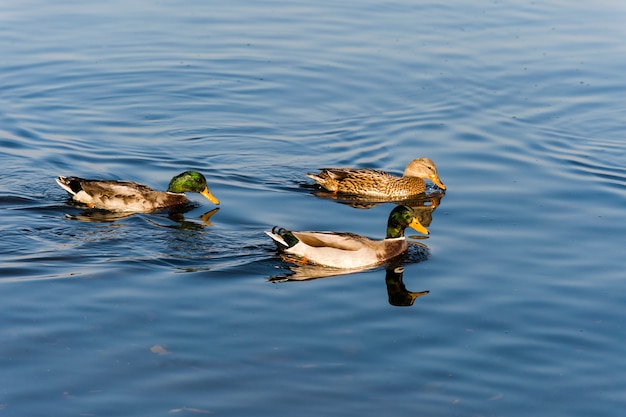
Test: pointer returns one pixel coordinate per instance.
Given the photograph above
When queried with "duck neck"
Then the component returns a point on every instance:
(394, 232)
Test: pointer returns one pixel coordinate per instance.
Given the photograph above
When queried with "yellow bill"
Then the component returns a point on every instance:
(417, 226)
(209, 196)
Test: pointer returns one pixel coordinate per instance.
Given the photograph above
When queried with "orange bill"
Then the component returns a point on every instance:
(435, 178)
(210, 196)
(417, 226)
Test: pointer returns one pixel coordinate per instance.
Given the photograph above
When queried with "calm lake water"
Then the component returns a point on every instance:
(521, 104)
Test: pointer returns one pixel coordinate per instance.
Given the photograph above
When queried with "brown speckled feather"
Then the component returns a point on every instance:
(369, 182)
(379, 184)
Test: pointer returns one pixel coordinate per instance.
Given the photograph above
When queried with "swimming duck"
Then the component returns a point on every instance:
(127, 196)
(347, 250)
(379, 184)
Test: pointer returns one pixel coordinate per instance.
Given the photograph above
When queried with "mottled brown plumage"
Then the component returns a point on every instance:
(379, 184)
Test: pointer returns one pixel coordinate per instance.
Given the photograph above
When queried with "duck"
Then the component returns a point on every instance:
(348, 250)
(379, 184)
(131, 197)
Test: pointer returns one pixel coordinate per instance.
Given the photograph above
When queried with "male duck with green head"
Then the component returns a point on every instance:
(127, 196)
(347, 250)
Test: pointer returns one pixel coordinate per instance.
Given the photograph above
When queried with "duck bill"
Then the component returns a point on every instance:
(436, 180)
(209, 196)
(415, 295)
(417, 226)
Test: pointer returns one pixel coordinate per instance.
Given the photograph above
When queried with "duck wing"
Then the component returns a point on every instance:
(339, 174)
(335, 240)
(116, 189)
(124, 196)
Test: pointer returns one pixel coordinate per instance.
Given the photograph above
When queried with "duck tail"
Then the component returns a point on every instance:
(69, 184)
(282, 237)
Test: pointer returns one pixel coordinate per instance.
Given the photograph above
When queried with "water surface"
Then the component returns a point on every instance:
(520, 104)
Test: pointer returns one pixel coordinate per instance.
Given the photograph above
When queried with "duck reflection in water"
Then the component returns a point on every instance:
(189, 224)
(424, 206)
(397, 294)
(178, 216)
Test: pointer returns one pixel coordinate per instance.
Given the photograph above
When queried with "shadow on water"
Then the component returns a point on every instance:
(397, 293)
(89, 241)
(423, 205)
(176, 215)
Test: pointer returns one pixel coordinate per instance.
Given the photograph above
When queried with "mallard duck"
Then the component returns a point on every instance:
(347, 250)
(127, 196)
(379, 184)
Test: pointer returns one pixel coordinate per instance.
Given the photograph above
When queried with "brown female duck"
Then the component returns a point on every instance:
(379, 184)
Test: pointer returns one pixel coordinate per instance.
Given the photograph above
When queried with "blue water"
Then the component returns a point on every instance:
(522, 105)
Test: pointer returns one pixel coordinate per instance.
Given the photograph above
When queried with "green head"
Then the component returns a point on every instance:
(400, 218)
(191, 182)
